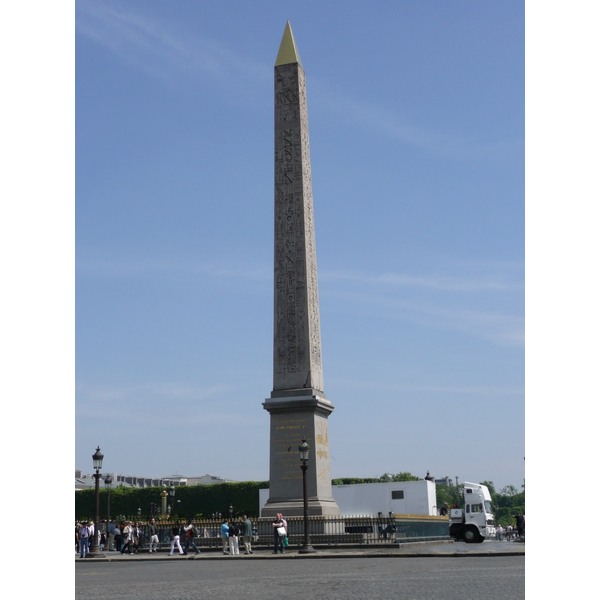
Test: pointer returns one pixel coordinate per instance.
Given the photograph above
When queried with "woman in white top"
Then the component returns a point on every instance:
(127, 537)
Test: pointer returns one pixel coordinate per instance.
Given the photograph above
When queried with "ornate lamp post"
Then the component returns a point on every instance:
(108, 485)
(97, 458)
(163, 501)
(172, 492)
(304, 449)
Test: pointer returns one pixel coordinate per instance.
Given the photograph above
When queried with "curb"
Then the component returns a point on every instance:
(318, 555)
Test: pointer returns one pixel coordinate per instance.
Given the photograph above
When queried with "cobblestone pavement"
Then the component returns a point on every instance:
(381, 578)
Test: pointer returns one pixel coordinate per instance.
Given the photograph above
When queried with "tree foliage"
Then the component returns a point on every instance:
(386, 477)
(198, 501)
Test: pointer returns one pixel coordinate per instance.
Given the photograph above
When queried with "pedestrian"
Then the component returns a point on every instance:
(190, 533)
(175, 540)
(247, 533)
(77, 526)
(111, 536)
(127, 535)
(225, 536)
(118, 538)
(84, 539)
(279, 532)
(153, 534)
(91, 534)
(234, 547)
(102, 542)
(137, 535)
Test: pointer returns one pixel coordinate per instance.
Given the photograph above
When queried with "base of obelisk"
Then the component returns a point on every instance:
(296, 414)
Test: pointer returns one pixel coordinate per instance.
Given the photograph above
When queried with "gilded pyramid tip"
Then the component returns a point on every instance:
(288, 53)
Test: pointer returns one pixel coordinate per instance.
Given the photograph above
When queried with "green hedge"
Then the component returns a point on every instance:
(199, 501)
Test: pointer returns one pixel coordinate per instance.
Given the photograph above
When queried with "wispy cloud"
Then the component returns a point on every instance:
(433, 282)
(148, 267)
(404, 129)
(173, 391)
(503, 329)
(160, 50)
(437, 389)
(157, 48)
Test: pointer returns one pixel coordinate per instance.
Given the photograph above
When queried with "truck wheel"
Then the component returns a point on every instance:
(471, 535)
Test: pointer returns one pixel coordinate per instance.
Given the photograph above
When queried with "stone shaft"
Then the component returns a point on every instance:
(297, 332)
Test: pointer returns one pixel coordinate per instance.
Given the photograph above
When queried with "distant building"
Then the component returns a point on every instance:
(83, 482)
(444, 481)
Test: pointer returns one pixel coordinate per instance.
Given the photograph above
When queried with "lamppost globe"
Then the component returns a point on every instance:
(139, 513)
(97, 458)
(172, 491)
(108, 482)
(304, 449)
(231, 511)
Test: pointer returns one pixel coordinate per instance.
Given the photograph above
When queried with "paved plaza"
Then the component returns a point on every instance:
(448, 571)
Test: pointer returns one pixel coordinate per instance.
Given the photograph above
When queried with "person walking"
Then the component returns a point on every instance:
(84, 539)
(153, 535)
(225, 536)
(234, 547)
(137, 537)
(190, 534)
(247, 533)
(175, 540)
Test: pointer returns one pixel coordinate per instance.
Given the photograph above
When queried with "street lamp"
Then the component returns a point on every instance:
(230, 512)
(108, 485)
(172, 492)
(304, 449)
(97, 458)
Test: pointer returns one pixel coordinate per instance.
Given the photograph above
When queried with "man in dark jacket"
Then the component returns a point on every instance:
(247, 533)
(153, 536)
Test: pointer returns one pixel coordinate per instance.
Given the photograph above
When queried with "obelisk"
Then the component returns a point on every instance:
(297, 406)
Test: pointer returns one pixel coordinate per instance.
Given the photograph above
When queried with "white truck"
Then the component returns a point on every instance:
(476, 522)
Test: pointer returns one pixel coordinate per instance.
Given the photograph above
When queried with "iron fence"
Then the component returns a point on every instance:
(324, 531)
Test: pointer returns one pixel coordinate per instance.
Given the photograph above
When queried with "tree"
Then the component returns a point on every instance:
(402, 476)
(509, 490)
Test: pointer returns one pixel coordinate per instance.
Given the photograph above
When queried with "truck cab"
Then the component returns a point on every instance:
(476, 522)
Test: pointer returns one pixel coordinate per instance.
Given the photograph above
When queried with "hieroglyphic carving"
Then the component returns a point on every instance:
(297, 336)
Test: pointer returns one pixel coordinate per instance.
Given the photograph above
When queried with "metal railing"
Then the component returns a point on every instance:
(362, 530)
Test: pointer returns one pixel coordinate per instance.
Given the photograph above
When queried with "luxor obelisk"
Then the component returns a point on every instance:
(297, 406)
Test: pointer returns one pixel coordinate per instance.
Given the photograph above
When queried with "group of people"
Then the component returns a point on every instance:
(509, 532)
(179, 531)
(123, 536)
(231, 532)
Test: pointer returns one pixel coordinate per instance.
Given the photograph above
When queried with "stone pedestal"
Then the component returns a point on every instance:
(292, 418)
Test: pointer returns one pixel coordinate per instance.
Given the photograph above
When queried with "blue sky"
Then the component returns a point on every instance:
(417, 125)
